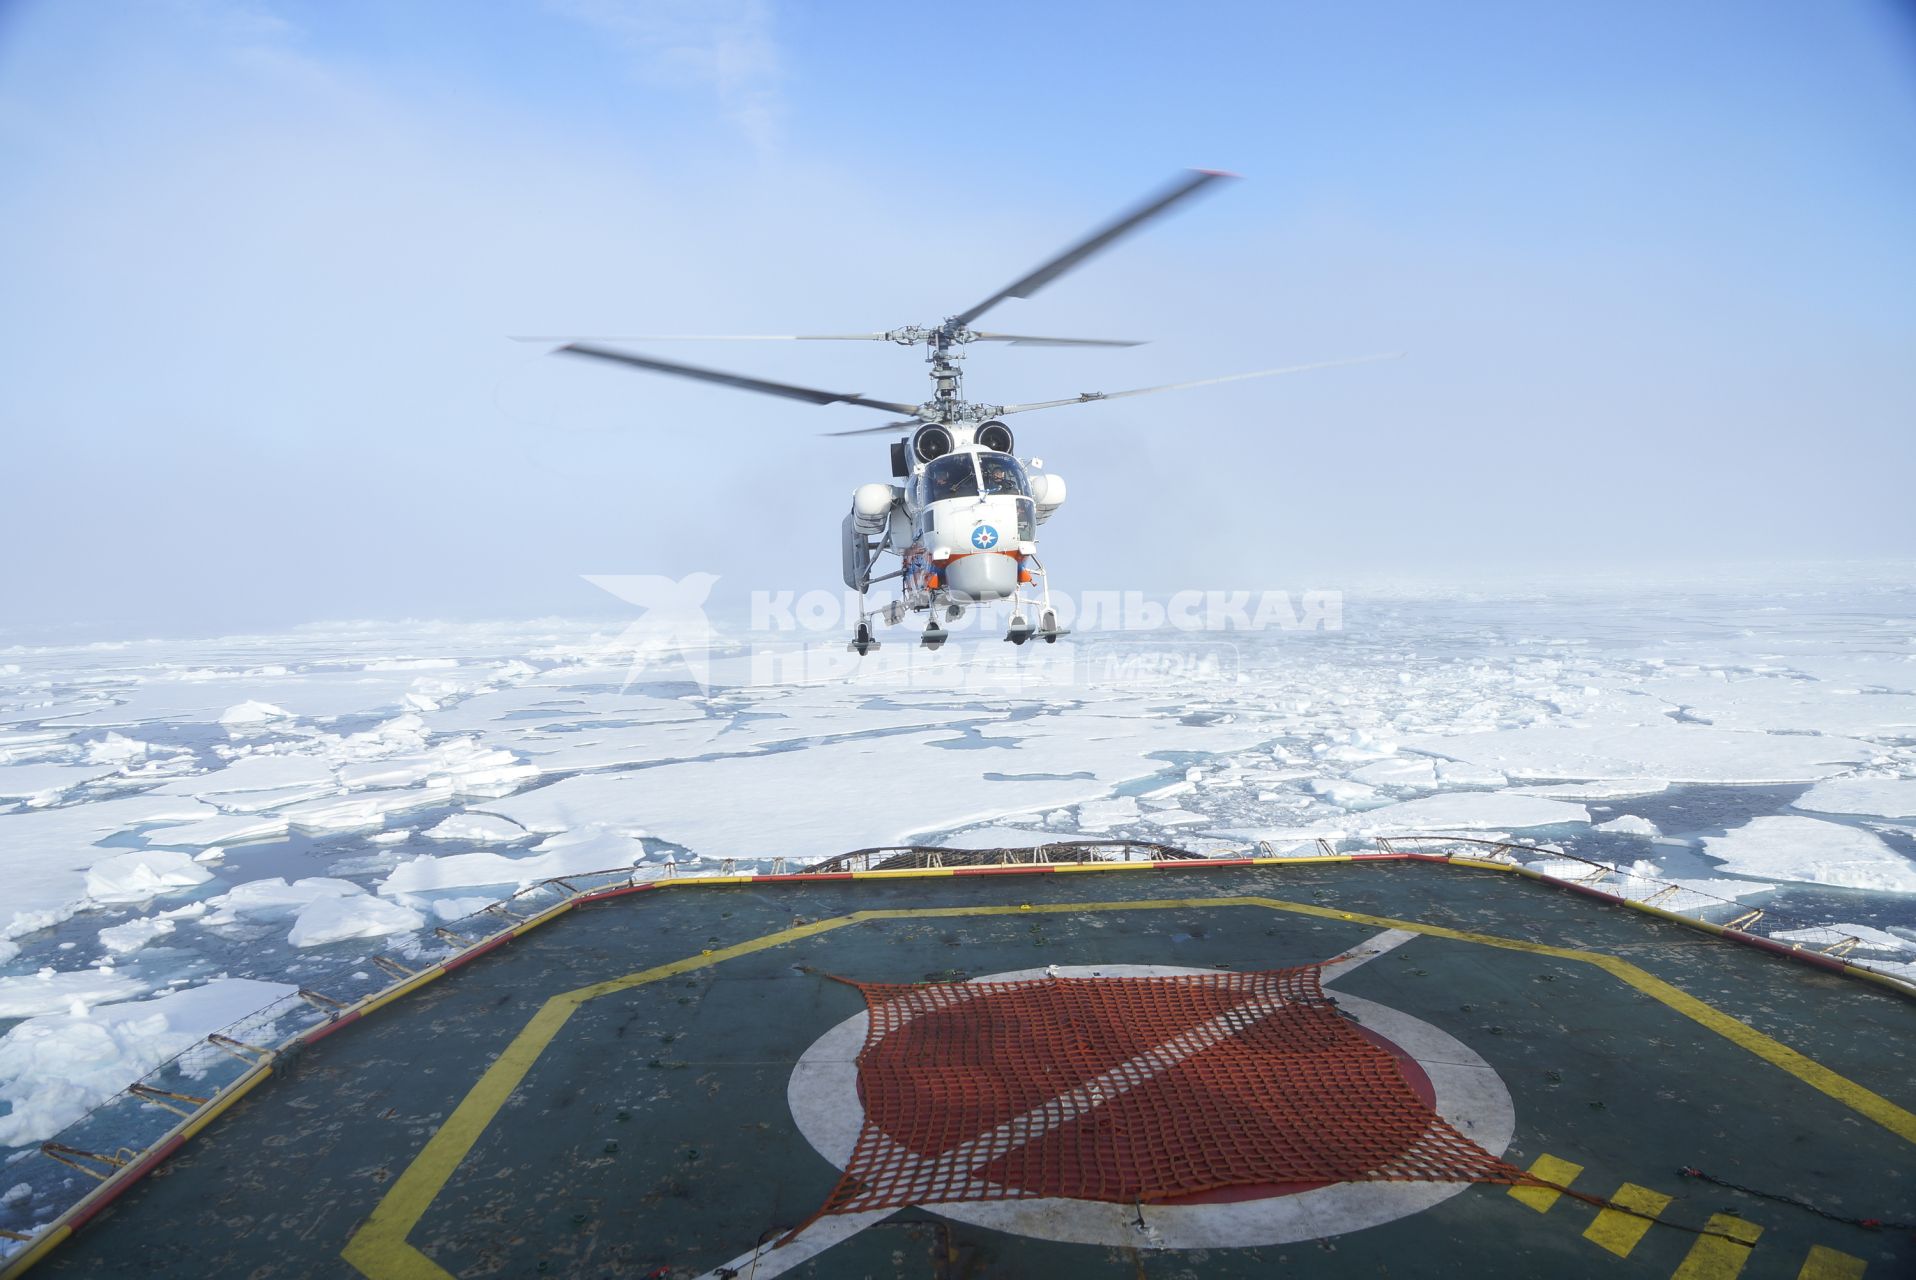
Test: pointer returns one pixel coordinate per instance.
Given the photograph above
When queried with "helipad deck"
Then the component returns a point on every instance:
(662, 1085)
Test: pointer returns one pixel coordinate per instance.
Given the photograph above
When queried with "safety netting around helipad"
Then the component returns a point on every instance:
(1133, 1089)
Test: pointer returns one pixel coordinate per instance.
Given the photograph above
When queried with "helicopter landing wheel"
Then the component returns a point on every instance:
(934, 636)
(862, 640)
(1020, 630)
(1048, 627)
(953, 612)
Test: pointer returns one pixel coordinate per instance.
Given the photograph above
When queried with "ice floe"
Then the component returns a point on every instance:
(1471, 811)
(589, 849)
(1812, 851)
(44, 783)
(143, 874)
(1877, 797)
(130, 936)
(275, 894)
(354, 915)
(253, 713)
(476, 828)
(59, 991)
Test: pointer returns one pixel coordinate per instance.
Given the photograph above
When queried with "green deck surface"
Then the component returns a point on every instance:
(653, 1130)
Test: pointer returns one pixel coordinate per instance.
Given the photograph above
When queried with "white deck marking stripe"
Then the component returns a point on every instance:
(1365, 952)
(765, 1262)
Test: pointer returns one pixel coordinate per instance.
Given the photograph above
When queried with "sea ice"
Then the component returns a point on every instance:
(1615, 789)
(589, 849)
(1462, 773)
(994, 836)
(355, 915)
(136, 933)
(477, 828)
(1868, 937)
(1878, 797)
(227, 828)
(1343, 794)
(275, 894)
(1629, 824)
(1812, 851)
(450, 909)
(55, 1066)
(115, 749)
(253, 713)
(250, 782)
(1678, 752)
(1102, 815)
(1470, 811)
(363, 810)
(1777, 702)
(43, 783)
(51, 991)
(143, 874)
(1417, 772)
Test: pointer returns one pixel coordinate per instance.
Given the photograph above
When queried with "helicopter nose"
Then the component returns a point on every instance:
(987, 575)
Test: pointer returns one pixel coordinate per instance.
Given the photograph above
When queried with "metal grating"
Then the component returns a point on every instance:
(1133, 1090)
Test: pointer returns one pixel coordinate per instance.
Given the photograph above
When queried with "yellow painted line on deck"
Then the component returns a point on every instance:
(1828, 1264)
(1811, 1072)
(379, 1247)
(1550, 1169)
(1618, 1231)
(1713, 1257)
(380, 1251)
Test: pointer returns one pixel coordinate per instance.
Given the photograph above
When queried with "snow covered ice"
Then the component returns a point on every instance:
(191, 829)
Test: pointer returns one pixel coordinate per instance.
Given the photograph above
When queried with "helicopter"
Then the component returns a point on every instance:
(962, 520)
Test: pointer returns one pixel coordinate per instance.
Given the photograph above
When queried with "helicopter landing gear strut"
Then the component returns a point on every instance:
(1047, 628)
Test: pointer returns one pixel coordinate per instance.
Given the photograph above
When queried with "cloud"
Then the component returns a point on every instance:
(725, 47)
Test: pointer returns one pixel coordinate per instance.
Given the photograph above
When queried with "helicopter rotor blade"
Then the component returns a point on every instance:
(1089, 397)
(887, 429)
(1029, 284)
(1026, 340)
(741, 381)
(705, 337)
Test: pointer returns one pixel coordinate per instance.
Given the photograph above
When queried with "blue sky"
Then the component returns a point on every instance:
(1652, 265)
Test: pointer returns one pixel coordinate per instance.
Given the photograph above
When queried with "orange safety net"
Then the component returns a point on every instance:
(1133, 1089)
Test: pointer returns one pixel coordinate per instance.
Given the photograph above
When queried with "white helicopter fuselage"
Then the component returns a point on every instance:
(977, 536)
(968, 516)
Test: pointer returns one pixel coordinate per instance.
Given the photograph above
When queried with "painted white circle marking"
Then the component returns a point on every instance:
(823, 1094)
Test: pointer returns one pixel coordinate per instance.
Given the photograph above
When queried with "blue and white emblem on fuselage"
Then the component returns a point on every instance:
(984, 537)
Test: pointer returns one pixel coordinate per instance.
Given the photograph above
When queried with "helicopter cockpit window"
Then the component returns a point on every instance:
(951, 476)
(1003, 474)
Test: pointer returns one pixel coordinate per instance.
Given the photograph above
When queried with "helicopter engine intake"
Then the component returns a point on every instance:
(931, 441)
